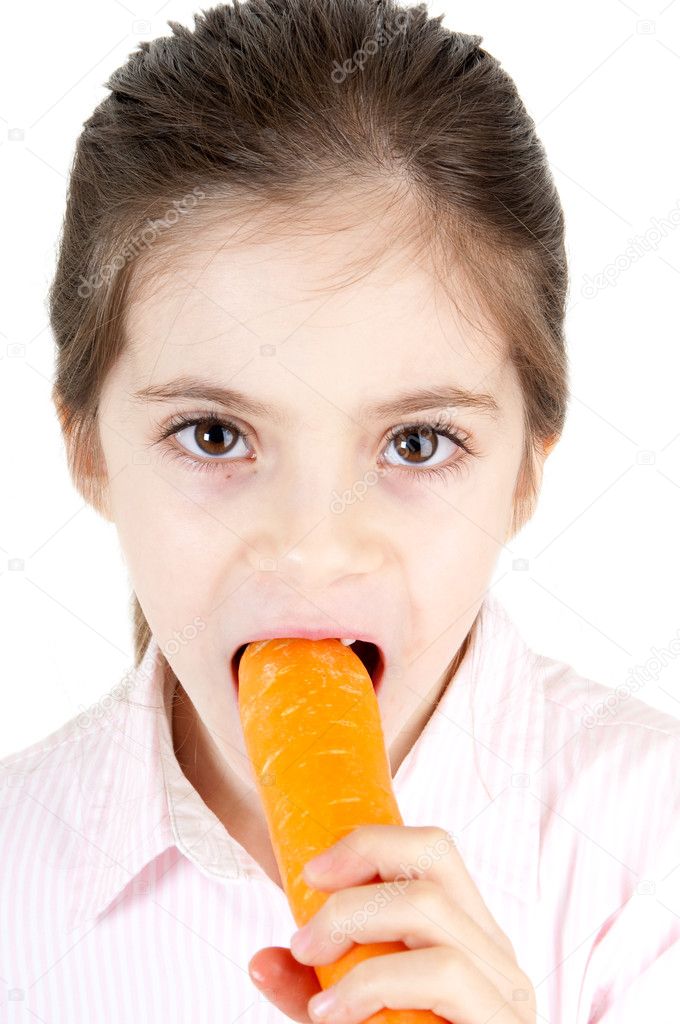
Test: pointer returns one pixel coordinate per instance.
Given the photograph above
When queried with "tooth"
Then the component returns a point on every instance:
(347, 642)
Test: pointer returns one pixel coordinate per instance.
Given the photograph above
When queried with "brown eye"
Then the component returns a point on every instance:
(417, 445)
(211, 437)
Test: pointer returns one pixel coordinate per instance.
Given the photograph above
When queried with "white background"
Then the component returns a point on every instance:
(600, 586)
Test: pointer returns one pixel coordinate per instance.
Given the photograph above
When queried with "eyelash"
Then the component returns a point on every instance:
(440, 425)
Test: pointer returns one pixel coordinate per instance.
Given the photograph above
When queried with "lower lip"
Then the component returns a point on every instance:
(376, 680)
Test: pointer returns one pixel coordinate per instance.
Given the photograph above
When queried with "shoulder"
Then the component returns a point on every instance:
(50, 751)
(41, 788)
(616, 735)
(595, 822)
(580, 732)
(608, 774)
(592, 704)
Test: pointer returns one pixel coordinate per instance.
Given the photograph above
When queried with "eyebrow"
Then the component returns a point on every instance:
(405, 402)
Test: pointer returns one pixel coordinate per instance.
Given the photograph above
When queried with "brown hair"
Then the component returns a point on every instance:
(290, 102)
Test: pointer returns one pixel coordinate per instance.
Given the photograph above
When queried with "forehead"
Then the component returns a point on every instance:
(344, 297)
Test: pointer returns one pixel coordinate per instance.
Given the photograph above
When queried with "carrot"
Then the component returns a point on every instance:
(312, 730)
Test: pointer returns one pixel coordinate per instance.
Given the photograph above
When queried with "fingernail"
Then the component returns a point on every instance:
(318, 865)
(301, 941)
(257, 975)
(322, 1004)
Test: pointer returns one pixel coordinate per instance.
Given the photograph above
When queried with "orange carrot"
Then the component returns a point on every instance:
(312, 730)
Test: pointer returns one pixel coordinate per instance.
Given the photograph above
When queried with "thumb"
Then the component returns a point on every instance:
(287, 983)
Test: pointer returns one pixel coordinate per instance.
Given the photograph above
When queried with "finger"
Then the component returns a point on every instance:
(406, 851)
(440, 979)
(416, 914)
(286, 983)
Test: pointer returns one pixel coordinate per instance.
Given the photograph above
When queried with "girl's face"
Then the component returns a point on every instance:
(288, 503)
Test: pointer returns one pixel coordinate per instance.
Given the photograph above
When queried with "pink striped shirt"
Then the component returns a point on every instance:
(123, 897)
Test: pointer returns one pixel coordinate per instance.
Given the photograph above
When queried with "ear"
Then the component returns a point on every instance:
(549, 444)
(100, 496)
(527, 487)
(90, 473)
(86, 463)
(91, 481)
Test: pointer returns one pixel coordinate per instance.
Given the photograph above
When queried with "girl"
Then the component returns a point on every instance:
(309, 310)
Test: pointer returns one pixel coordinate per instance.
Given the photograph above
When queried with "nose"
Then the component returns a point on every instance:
(318, 534)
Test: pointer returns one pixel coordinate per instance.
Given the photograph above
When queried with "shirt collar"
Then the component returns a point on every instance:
(482, 748)
(138, 803)
(124, 820)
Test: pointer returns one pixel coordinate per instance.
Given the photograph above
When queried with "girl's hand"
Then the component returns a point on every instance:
(459, 963)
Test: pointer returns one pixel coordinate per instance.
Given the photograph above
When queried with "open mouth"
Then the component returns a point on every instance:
(369, 654)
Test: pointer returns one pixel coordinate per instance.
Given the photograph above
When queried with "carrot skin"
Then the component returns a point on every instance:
(312, 730)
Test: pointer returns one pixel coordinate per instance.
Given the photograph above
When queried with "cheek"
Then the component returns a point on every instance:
(177, 553)
(486, 507)
(453, 560)
(451, 567)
